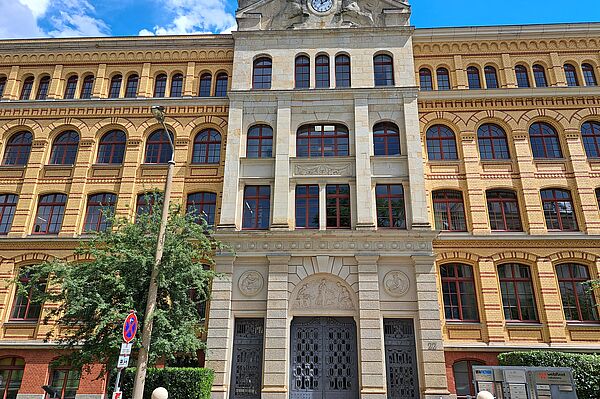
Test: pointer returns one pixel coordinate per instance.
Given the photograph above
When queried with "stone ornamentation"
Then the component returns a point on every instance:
(396, 283)
(251, 283)
(323, 294)
(323, 170)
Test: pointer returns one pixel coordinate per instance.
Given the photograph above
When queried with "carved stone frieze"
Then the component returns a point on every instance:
(323, 294)
(251, 283)
(323, 170)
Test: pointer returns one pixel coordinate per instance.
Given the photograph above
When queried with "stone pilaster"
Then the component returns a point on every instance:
(145, 89)
(557, 73)
(550, 302)
(365, 218)
(100, 83)
(281, 186)
(11, 90)
(55, 91)
(229, 209)
(491, 311)
(190, 80)
(508, 73)
(459, 80)
(127, 190)
(475, 195)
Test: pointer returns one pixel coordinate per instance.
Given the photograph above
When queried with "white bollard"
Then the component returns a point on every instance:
(485, 395)
(160, 393)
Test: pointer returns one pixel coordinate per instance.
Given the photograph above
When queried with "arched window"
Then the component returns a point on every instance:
(71, 87)
(539, 74)
(571, 75)
(425, 79)
(160, 86)
(590, 132)
(112, 147)
(578, 301)
(27, 88)
(342, 71)
(205, 85)
(518, 297)
(443, 79)
(261, 73)
(491, 77)
(64, 149)
(559, 211)
(260, 142)
(503, 210)
(441, 144)
(203, 205)
(11, 370)
(158, 148)
(50, 213)
(207, 147)
(588, 75)
(221, 86)
(87, 87)
(132, 86)
(99, 207)
(473, 78)
(18, 149)
(458, 288)
(463, 378)
(8, 206)
(522, 76)
(2, 85)
(383, 65)
(115, 86)
(449, 210)
(65, 381)
(544, 141)
(391, 213)
(302, 72)
(43, 87)
(492, 142)
(322, 71)
(386, 139)
(322, 141)
(146, 202)
(177, 85)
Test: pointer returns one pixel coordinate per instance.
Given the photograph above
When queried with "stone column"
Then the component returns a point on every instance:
(190, 79)
(508, 72)
(100, 83)
(145, 89)
(11, 90)
(459, 80)
(433, 364)
(491, 311)
(219, 342)
(557, 73)
(277, 331)
(370, 331)
(55, 91)
(229, 209)
(550, 302)
(281, 187)
(365, 218)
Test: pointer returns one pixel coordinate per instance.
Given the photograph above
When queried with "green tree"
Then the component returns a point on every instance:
(94, 294)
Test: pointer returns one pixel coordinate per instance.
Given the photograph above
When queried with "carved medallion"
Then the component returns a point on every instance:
(323, 294)
(251, 283)
(396, 283)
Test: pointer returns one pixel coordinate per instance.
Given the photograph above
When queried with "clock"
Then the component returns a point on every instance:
(321, 6)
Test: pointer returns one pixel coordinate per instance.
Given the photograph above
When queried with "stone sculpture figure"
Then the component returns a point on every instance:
(292, 14)
(352, 14)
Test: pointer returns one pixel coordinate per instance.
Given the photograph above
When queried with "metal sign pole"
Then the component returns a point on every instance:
(129, 331)
(117, 382)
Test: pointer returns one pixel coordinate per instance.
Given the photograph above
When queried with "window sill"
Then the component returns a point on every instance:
(549, 160)
(445, 161)
(22, 323)
(583, 324)
(13, 167)
(496, 161)
(459, 323)
(523, 324)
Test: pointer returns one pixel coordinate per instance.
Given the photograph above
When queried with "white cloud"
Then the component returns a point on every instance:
(77, 25)
(37, 7)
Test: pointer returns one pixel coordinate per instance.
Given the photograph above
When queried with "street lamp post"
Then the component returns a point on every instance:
(142, 361)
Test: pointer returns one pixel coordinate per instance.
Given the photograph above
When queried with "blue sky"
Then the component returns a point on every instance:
(65, 18)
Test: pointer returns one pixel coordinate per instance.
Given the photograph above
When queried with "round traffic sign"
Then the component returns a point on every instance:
(130, 327)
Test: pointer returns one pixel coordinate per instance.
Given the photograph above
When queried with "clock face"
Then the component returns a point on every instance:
(322, 5)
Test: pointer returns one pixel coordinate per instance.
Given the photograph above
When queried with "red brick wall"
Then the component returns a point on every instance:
(488, 358)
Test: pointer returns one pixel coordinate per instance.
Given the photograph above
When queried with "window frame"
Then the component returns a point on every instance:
(573, 282)
(12, 369)
(27, 88)
(503, 200)
(54, 206)
(98, 203)
(176, 88)
(205, 88)
(459, 283)
(383, 66)
(43, 88)
(66, 150)
(491, 77)
(110, 144)
(474, 78)
(393, 203)
(442, 197)
(221, 84)
(87, 87)
(259, 210)
(308, 138)
(539, 139)
(114, 90)
(132, 86)
(145, 202)
(438, 141)
(264, 79)
(539, 75)
(8, 207)
(337, 198)
(425, 79)
(163, 147)
(302, 72)
(589, 75)
(522, 77)
(493, 137)
(555, 201)
(516, 292)
(22, 148)
(443, 79)
(590, 134)
(303, 201)
(207, 151)
(71, 87)
(389, 134)
(571, 75)
(64, 388)
(469, 363)
(196, 206)
(264, 140)
(343, 77)
(322, 71)
(3, 81)
(30, 305)
(160, 85)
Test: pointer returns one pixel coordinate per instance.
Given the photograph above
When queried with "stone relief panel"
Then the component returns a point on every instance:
(345, 170)
(251, 283)
(396, 283)
(303, 267)
(322, 293)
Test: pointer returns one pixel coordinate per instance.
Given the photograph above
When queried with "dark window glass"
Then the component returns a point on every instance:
(463, 378)
(207, 147)
(322, 71)
(65, 381)
(2, 86)
(443, 79)
(260, 142)
(307, 207)
(384, 70)
(473, 78)
(449, 210)
(522, 76)
(571, 75)
(18, 149)
(261, 77)
(27, 88)
(11, 370)
(42, 93)
(590, 132)
(221, 86)
(578, 301)
(71, 87)
(503, 210)
(160, 86)
(302, 72)
(257, 207)
(64, 149)
(441, 144)
(342, 71)
(386, 139)
(177, 85)
(516, 286)
(491, 77)
(205, 85)
(115, 86)
(425, 79)
(588, 75)
(492, 142)
(25, 305)
(87, 87)
(458, 289)
(112, 147)
(559, 210)
(146, 201)
(391, 212)
(203, 205)
(322, 141)
(539, 74)
(338, 206)
(51, 210)
(132, 86)
(544, 141)
(99, 207)
(158, 147)
(8, 205)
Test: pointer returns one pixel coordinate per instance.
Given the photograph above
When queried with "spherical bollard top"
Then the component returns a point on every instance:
(160, 393)
(485, 395)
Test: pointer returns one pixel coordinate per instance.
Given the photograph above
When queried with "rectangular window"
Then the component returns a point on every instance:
(503, 210)
(257, 208)
(449, 211)
(100, 208)
(558, 210)
(25, 307)
(338, 206)
(8, 206)
(390, 206)
(517, 292)
(66, 382)
(458, 288)
(307, 207)
(578, 301)
(51, 210)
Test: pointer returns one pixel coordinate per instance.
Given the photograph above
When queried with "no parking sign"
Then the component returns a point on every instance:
(130, 327)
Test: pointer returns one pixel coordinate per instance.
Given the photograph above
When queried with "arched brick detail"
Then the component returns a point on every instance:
(584, 115)
(458, 256)
(113, 123)
(571, 255)
(32, 257)
(151, 125)
(66, 124)
(206, 121)
(78, 258)
(543, 115)
(15, 125)
(443, 118)
(514, 255)
(500, 118)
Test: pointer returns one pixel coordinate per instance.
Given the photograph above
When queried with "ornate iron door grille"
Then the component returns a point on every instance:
(324, 359)
(246, 370)
(401, 359)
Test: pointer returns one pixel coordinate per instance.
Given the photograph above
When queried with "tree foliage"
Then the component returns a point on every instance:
(94, 294)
